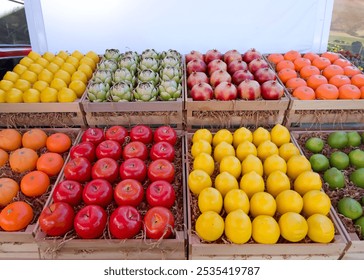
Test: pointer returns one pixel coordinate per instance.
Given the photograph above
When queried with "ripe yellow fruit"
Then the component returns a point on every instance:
(36, 68)
(26, 61)
(19, 69)
(252, 163)
(52, 67)
(296, 165)
(58, 84)
(266, 149)
(236, 199)
(273, 163)
(49, 94)
(69, 68)
(63, 75)
(89, 61)
(78, 87)
(201, 146)
(232, 165)
(2, 96)
(62, 54)
(14, 95)
(46, 76)
(222, 150)
(209, 226)
(307, 181)
(31, 96)
(280, 135)
(240, 135)
(11, 76)
(22, 85)
(29, 76)
(320, 228)
(6, 85)
(66, 95)
(260, 135)
(210, 199)
(265, 230)
(79, 76)
(287, 150)
(289, 201)
(205, 162)
(316, 202)
(85, 69)
(244, 149)
(77, 54)
(262, 203)
(73, 60)
(42, 61)
(202, 134)
(224, 182)
(293, 226)
(238, 227)
(34, 55)
(58, 61)
(251, 183)
(40, 85)
(276, 182)
(94, 56)
(223, 135)
(199, 180)
(49, 56)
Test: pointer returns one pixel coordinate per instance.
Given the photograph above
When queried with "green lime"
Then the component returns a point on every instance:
(314, 144)
(360, 222)
(338, 139)
(357, 177)
(319, 162)
(340, 160)
(335, 178)
(350, 208)
(356, 158)
(354, 139)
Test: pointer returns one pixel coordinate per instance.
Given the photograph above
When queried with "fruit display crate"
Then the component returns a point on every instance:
(355, 250)
(70, 246)
(21, 244)
(18, 115)
(251, 250)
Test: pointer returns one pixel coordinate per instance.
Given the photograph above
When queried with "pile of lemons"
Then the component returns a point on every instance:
(50, 77)
(264, 188)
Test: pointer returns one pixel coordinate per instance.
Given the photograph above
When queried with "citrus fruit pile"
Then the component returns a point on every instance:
(30, 161)
(255, 186)
(312, 76)
(338, 157)
(50, 77)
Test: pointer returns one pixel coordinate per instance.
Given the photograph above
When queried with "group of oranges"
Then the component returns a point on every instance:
(33, 157)
(326, 76)
(60, 77)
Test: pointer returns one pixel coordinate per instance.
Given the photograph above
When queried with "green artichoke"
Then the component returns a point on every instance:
(170, 90)
(98, 92)
(145, 92)
(121, 92)
(148, 75)
(131, 54)
(124, 75)
(150, 53)
(172, 53)
(171, 73)
(102, 76)
(129, 63)
(149, 63)
(108, 64)
(112, 54)
(170, 61)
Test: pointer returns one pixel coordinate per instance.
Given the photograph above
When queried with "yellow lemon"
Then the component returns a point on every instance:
(287, 150)
(273, 163)
(280, 135)
(22, 84)
(201, 146)
(296, 165)
(11, 76)
(236, 199)
(320, 228)
(244, 149)
(58, 84)
(277, 181)
(85, 69)
(34, 55)
(316, 202)
(58, 61)
(260, 135)
(202, 134)
(30, 76)
(224, 182)
(40, 85)
(199, 180)
(78, 87)
(240, 135)
(238, 227)
(209, 226)
(14, 95)
(289, 201)
(205, 162)
(210, 199)
(262, 203)
(19, 69)
(293, 226)
(252, 163)
(46, 76)
(2, 96)
(266, 149)
(307, 181)
(62, 54)
(88, 61)
(31, 96)
(52, 67)
(66, 95)
(265, 230)
(251, 183)
(94, 56)
(63, 75)
(49, 94)
(49, 56)
(222, 135)
(79, 76)
(36, 68)
(73, 60)
(77, 54)
(26, 61)
(68, 67)
(222, 150)
(232, 165)
(42, 61)
(6, 85)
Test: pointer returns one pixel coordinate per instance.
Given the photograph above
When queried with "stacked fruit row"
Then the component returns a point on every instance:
(118, 182)
(255, 186)
(339, 158)
(129, 76)
(30, 162)
(312, 76)
(60, 77)
(231, 76)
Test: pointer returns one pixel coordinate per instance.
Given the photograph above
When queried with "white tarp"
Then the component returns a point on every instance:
(267, 25)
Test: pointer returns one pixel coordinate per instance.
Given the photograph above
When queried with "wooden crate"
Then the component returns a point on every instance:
(18, 115)
(16, 251)
(107, 247)
(224, 249)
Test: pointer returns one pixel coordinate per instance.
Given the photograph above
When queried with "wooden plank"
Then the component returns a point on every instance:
(40, 107)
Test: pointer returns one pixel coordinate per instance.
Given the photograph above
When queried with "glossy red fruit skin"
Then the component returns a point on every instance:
(129, 192)
(133, 168)
(117, 133)
(141, 133)
(94, 135)
(125, 222)
(109, 148)
(161, 169)
(159, 223)
(78, 169)
(135, 149)
(105, 168)
(165, 133)
(98, 192)
(160, 193)
(162, 150)
(90, 222)
(68, 191)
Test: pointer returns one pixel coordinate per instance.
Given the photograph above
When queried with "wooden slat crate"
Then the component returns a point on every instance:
(106, 247)
(18, 115)
(16, 251)
(251, 250)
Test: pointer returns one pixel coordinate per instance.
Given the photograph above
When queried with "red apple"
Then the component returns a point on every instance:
(160, 193)
(196, 78)
(271, 90)
(251, 54)
(141, 133)
(161, 169)
(78, 169)
(194, 55)
(98, 192)
(232, 55)
(165, 133)
(159, 223)
(212, 55)
(202, 92)
(116, 133)
(90, 222)
(264, 74)
(94, 135)
(105, 168)
(129, 192)
(125, 222)
(83, 149)
(196, 65)
(257, 64)
(68, 191)
(236, 65)
(249, 90)
(226, 91)
(218, 77)
(216, 64)
(242, 75)
(110, 149)
(133, 168)
(162, 150)
(135, 149)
